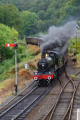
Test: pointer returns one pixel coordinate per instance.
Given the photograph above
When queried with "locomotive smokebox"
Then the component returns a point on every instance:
(45, 63)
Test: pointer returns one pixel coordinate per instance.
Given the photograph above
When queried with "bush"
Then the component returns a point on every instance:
(7, 35)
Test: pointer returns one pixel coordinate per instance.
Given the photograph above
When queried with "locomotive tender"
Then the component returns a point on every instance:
(50, 66)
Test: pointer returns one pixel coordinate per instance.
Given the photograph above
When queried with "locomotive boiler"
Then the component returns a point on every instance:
(50, 66)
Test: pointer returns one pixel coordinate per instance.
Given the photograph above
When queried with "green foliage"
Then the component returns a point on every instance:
(30, 21)
(50, 12)
(75, 45)
(7, 67)
(9, 15)
(79, 23)
(7, 35)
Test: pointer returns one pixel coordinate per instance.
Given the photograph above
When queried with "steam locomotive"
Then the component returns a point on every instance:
(50, 67)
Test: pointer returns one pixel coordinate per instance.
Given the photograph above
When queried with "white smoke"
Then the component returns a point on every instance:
(58, 37)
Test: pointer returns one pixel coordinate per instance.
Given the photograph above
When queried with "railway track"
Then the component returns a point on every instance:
(22, 106)
(75, 102)
(65, 107)
(67, 103)
(18, 96)
(62, 106)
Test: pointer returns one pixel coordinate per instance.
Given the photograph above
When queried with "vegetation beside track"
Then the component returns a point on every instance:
(25, 54)
(74, 47)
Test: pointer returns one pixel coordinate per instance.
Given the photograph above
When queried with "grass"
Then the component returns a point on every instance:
(7, 66)
(73, 76)
(3, 83)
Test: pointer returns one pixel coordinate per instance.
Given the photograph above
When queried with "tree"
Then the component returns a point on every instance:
(7, 35)
(42, 15)
(9, 15)
(30, 21)
(55, 11)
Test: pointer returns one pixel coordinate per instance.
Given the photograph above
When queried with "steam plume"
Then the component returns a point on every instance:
(58, 37)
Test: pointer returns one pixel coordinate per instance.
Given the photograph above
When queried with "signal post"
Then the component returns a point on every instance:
(16, 76)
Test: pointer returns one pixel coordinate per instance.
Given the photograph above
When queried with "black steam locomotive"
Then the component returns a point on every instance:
(50, 66)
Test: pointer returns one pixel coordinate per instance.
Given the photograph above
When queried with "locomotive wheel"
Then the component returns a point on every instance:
(39, 84)
(57, 74)
(46, 84)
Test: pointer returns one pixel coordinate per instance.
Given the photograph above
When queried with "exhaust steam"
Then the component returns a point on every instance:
(58, 38)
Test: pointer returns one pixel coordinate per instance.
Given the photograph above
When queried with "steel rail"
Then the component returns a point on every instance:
(77, 73)
(50, 114)
(26, 108)
(14, 97)
(70, 114)
(70, 109)
(5, 112)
